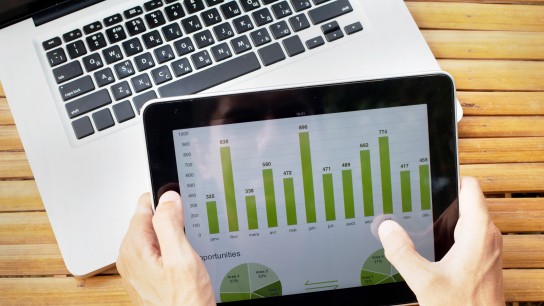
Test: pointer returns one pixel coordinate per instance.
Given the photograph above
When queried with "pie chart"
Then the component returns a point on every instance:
(377, 270)
(249, 281)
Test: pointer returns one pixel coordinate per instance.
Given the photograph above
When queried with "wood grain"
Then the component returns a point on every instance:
(19, 196)
(524, 285)
(31, 259)
(501, 150)
(25, 228)
(517, 215)
(14, 165)
(5, 114)
(501, 103)
(9, 138)
(501, 178)
(504, 126)
(523, 251)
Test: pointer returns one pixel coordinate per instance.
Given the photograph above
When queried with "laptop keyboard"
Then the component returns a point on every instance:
(107, 70)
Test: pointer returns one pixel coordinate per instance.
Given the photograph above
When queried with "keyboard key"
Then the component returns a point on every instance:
(112, 54)
(223, 31)
(280, 29)
(144, 61)
(72, 35)
(299, 22)
(152, 39)
(67, 72)
(281, 9)
(353, 28)
(56, 57)
(193, 6)
(271, 54)
(262, 16)
(201, 59)
(109, 21)
(181, 67)
(76, 49)
(260, 37)
(135, 26)
(191, 24)
(211, 17)
(121, 90)
(221, 52)
(76, 88)
(330, 11)
(332, 36)
(93, 27)
(88, 103)
(223, 72)
(203, 39)
(82, 127)
(265, 2)
(140, 100)
(161, 75)
(96, 41)
(250, 5)
(103, 119)
(92, 62)
(104, 77)
(155, 19)
(171, 31)
(133, 12)
(51, 43)
(116, 34)
(141, 82)
(184, 46)
(293, 45)
(213, 2)
(174, 11)
(318, 2)
(315, 42)
(151, 5)
(123, 111)
(300, 5)
(124, 69)
(240, 44)
(132, 46)
(330, 27)
(164, 54)
(242, 24)
(230, 9)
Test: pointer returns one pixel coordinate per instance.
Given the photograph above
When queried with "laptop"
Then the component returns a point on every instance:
(76, 74)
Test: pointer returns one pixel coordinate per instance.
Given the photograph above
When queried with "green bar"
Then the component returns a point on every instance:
(328, 193)
(385, 168)
(228, 182)
(424, 187)
(270, 198)
(290, 205)
(307, 176)
(406, 191)
(349, 205)
(251, 208)
(366, 175)
(213, 221)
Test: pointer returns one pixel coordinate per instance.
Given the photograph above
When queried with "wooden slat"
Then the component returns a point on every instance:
(485, 44)
(517, 215)
(525, 285)
(505, 178)
(25, 228)
(476, 16)
(5, 114)
(523, 251)
(501, 150)
(498, 75)
(14, 165)
(19, 196)
(31, 259)
(501, 103)
(2, 94)
(503, 126)
(9, 138)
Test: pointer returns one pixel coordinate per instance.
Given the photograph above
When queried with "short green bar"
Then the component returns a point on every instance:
(251, 208)
(307, 176)
(213, 221)
(270, 198)
(366, 175)
(349, 204)
(385, 169)
(230, 195)
(290, 204)
(328, 193)
(406, 191)
(424, 187)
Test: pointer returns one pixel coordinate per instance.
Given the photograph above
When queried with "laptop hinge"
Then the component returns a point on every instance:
(60, 10)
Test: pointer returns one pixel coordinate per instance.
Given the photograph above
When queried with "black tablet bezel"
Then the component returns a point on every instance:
(436, 91)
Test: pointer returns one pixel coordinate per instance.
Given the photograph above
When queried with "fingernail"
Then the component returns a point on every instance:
(169, 196)
(386, 228)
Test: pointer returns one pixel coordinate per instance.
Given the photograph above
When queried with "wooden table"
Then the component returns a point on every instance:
(495, 51)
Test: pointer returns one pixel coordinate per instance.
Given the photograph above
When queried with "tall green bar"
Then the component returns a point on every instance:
(213, 221)
(349, 205)
(270, 198)
(228, 183)
(251, 209)
(307, 176)
(406, 191)
(385, 169)
(290, 204)
(366, 175)
(424, 187)
(328, 193)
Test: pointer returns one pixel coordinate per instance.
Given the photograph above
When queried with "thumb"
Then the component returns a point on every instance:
(401, 253)
(168, 225)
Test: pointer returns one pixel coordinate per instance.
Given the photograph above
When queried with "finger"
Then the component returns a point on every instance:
(472, 203)
(140, 232)
(401, 253)
(168, 224)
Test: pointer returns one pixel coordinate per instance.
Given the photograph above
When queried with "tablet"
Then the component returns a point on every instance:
(283, 189)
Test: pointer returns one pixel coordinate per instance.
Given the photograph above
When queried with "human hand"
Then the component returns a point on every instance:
(157, 263)
(470, 273)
